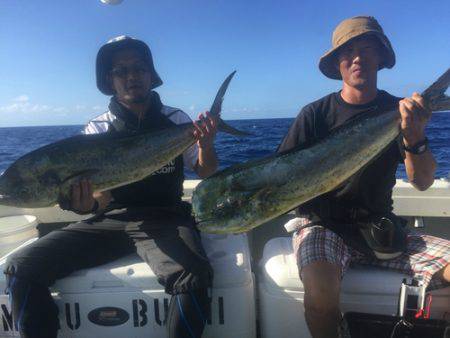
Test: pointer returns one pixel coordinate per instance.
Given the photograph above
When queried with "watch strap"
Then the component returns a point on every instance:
(417, 149)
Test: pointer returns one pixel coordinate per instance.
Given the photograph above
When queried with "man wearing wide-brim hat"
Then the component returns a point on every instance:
(329, 234)
(148, 217)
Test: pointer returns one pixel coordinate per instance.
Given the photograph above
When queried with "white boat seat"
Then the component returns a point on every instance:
(364, 289)
(126, 293)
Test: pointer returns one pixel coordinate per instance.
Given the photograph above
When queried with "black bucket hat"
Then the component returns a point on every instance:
(104, 59)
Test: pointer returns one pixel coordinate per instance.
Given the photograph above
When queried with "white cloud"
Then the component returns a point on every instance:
(24, 108)
(98, 109)
(21, 98)
(21, 110)
(244, 110)
(22, 105)
(60, 109)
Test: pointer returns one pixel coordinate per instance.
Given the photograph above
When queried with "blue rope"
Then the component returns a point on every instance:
(10, 294)
(184, 318)
(197, 306)
(22, 309)
(10, 288)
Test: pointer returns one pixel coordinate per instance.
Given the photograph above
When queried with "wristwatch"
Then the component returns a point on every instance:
(419, 148)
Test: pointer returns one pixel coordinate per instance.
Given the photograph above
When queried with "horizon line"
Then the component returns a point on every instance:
(74, 125)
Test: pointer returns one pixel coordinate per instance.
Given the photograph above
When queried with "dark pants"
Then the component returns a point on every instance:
(166, 240)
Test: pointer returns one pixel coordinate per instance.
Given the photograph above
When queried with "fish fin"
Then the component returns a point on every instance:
(435, 94)
(65, 187)
(216, 109)
(259, 193)
(79, 175)
(226, 128)
(246, 187)
(263, 193)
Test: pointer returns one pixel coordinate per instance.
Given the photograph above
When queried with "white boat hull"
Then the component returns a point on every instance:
(125, 294)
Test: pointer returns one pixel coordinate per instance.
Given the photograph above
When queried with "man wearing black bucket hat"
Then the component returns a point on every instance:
(355, 223)
(147, 217)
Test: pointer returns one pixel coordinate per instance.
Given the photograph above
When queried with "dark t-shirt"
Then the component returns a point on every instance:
(371, 188)
(164, 187)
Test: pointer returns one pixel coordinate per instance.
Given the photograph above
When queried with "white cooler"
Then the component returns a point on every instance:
(123, 298)
(368, 290)
(16, 230)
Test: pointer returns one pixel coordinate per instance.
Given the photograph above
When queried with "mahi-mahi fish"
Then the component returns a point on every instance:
(44, 176)
(247, 195)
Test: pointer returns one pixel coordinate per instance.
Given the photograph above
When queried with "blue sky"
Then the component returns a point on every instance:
(48, 51)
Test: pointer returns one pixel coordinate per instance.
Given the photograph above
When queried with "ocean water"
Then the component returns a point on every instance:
(266, 135)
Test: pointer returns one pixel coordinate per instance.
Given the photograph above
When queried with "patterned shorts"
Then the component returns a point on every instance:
(425, 255)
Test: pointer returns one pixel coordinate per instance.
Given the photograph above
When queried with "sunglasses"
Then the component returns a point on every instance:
(123, 72)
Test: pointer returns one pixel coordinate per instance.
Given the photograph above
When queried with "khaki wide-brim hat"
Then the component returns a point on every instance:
(104, 60)
(348, 30)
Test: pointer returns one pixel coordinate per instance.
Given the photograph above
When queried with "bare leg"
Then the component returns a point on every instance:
(322, 286)
(444, 273)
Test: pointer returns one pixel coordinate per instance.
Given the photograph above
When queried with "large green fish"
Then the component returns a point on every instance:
(244, 196)
(43, 177)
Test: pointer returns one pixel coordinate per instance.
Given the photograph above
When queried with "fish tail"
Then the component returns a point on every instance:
(226, 128)
(435, 94)
(216, 109)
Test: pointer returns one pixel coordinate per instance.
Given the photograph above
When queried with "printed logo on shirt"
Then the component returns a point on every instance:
(169, 168)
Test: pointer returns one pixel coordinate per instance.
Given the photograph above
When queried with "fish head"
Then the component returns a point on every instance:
(210, 205)
(223, 218)
(221, 211)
